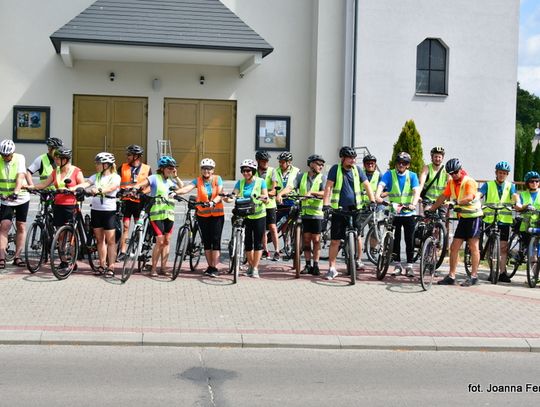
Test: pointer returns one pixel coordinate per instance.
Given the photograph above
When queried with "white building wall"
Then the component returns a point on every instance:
(475, 122)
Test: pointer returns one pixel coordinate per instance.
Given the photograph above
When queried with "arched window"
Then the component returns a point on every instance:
(431, 67)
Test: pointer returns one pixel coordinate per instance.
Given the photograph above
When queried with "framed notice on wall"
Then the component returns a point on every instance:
(31, 124)
(273, 133)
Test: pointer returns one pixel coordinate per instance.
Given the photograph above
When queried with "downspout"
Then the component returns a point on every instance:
(353, 102)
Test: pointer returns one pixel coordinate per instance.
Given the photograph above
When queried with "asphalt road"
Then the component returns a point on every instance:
(146, 376)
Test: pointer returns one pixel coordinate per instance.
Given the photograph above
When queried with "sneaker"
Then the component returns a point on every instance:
(249, 272)
(276, 257)
(121, 257)
(359, 265)
(397, 270)
(470, 281)
(315, 271)
(265, 254)
(306, 270)
(503, 278)
(409, 270)
(255, 273)
(447, 281)
(207, 271)
(213, 272)
(332, 273)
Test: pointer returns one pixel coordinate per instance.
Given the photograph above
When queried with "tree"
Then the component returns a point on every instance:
(409, 141)
(527, 117)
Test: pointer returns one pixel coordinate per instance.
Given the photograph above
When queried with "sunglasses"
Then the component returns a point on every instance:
(320, 164)
(453, 173)
(533, 180)
(402, 163)
(246, 170)
(207, 168)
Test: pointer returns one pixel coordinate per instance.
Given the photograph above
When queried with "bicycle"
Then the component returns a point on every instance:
(188, 242)
(12, 234)
(374, 235)
(433, 247)
(517, 249)
(387, 246)
(432, 225)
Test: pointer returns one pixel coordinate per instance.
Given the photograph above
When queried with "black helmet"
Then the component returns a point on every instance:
(403, 157)
(262, 155)
(453, 165)
(54, 142)
(285, 156)
(347, 152)
(134, 149)
(63, 152)
(369, 157)
(437, 150)
(315, 157)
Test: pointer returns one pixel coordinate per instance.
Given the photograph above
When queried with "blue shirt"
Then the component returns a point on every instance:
(484, 189)
(208, 185)
(347, 198)
(248, 188)
(152, 180)
(386, 181)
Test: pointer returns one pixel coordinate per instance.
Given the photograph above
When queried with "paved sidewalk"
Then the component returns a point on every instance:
(276, 310)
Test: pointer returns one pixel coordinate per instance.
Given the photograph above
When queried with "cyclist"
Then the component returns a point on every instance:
(252, 187)
(210, 218)
(131, 172)
(161, 185)
(13, 174)
(372, 173)
(463, 190)
(529, 199)
(284, 175)
(500, 191)
(265, 172)
(403, 189)
(311, 183)
(44, 164)
(343, 189)
(433, 178)
(64, 204)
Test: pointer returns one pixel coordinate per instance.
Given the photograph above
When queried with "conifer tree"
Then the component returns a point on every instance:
(409, 141)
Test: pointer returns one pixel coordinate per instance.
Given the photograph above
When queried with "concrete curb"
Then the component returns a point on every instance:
(408, 343)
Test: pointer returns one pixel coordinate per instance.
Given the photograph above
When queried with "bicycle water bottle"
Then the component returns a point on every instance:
(534, 231)
(140, 221)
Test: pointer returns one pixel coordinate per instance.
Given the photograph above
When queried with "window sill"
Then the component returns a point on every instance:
(433, 95)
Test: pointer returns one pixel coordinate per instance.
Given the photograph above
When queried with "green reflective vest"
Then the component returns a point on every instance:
(435, 189)
(336, 190)
(396, 195)
(311, 208)
(260, 209)
(373, 182)
(46, 167)
(293, 172)
(529, 219)
(492, 198)
(471, 210)
(163, 208)
(271, 203)
(8, 175)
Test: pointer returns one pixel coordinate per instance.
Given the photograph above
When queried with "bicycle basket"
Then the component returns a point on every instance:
(244, 207)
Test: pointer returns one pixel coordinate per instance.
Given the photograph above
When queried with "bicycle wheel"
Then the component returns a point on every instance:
(428, 262)
(297, 253)
(232, 253)
(64, 252)
(146, 250)
(182, 242)
(515, 256)
(532, 261)
(372, 244)
(287, 242)
(467, 261)
(493, 257)
(350, 249)
(34, 248)
(325, 240)
(91, 252)
(385, 255)
(132, 254)
(418, 236)
(238, 253)
(440, 235)
(196, 249)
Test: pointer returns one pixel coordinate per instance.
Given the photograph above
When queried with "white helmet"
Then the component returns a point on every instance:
(104, 158)
(248, 163)
(7, 147)
(208, 162)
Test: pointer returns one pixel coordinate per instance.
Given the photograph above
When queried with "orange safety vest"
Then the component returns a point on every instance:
(202, 196)
(126, 181)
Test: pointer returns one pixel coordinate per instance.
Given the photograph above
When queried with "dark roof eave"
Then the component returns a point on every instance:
(58, 41)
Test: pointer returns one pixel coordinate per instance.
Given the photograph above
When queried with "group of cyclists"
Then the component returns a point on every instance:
(346, 187)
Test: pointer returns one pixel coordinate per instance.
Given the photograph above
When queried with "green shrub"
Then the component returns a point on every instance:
(409, 141)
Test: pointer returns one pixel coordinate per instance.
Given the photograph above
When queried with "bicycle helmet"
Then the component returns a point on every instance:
(531, 175)
(104, 158)
(262, 155)
(437, 150)
(134, 149)
(54, 142)
(208, 162)
(453, 165)
(346, 151)
(7, 147)
(285, 156)
(369, 157)
(403, 157)
(63, 152)
(315, 157)
(249, 163)
(166, 161)
(503, 166)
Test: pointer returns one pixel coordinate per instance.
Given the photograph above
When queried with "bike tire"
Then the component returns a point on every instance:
(232, 254)
(494, 256)
(146, 250)
(351, 265)
(385, 255)
(418, 240)
(441, 242)
(287, 243)
(11, 246)
(182, 242)
(92, 252)
(132, 254)
(325, 241)
(297, 263)
(428, 262)
(514, 258)
(238, 254)
(532, 261)
(64, 252)
(195, 250)
(372, 244)
(467, 260)
(34, 247)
